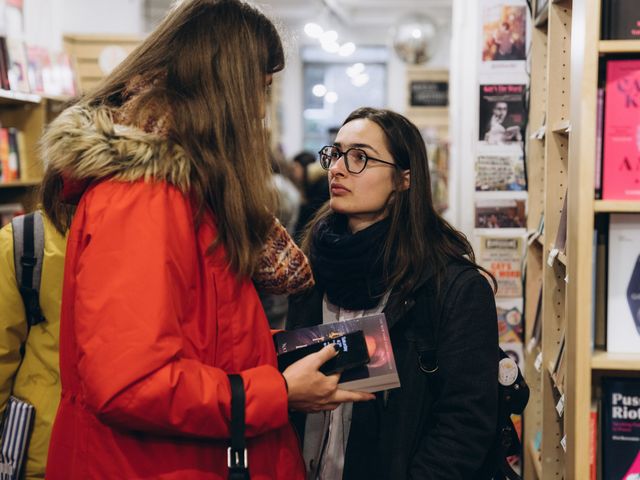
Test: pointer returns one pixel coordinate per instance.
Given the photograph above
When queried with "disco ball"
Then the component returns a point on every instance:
(414, 38)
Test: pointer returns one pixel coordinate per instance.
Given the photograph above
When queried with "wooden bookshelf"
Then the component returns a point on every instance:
(20, 184)
(616, 206)
(29, 114)
(535, 459)
(563, 127)
(619, 46)
(601, 360)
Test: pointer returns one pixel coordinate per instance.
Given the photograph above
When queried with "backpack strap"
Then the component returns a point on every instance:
(28, 253)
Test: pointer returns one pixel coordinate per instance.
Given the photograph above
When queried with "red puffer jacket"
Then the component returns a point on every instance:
(150, 328)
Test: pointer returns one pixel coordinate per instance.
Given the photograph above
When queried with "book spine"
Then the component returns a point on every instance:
(599, 127)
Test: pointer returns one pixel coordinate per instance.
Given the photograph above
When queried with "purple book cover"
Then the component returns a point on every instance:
(379, 374)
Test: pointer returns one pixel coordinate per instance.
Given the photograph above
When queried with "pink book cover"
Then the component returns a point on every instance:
(621, 154)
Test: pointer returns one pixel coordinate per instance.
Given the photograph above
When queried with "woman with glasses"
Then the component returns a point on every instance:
(165, 165)
(378, 245)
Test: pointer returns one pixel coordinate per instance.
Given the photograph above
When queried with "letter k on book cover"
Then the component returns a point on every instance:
(621, 428)
(379, 374)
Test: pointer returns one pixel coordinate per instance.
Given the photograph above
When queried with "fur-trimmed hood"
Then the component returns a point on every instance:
(86, 144)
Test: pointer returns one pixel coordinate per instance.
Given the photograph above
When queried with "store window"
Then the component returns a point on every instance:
(335, 86)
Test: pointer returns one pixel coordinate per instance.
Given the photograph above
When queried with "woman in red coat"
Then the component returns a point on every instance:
(167, 164)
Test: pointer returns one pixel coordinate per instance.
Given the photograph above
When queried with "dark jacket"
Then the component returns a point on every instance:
(439, 425)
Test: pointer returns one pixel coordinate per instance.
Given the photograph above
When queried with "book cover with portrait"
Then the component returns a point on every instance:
(502, 114)
(379, 374)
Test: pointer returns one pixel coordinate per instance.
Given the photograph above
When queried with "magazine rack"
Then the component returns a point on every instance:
(561, 161)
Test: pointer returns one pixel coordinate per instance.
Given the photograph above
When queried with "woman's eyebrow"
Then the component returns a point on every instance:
(357, 145)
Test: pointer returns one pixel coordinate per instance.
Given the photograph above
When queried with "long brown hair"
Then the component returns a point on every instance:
(419, 239)
(209, 59)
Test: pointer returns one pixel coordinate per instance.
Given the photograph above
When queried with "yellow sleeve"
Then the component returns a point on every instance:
(13, 323)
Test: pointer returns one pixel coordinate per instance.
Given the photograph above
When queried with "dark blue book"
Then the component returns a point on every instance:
(621, 428)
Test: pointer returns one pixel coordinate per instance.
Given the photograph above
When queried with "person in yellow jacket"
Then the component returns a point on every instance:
(33, 376)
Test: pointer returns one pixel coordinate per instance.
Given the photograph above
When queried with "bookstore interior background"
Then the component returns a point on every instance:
(530, 112)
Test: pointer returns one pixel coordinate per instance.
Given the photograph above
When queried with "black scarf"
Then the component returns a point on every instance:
(349, 267)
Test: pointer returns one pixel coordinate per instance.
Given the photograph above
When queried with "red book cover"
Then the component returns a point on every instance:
(621, 154)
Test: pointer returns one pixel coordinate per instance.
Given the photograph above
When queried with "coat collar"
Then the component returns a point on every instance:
(84, 144)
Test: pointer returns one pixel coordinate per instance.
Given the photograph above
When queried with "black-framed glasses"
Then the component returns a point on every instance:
(355, 159)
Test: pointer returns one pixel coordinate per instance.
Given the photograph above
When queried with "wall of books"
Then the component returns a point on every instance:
(34, 84)
(500, 174)
(583, 271)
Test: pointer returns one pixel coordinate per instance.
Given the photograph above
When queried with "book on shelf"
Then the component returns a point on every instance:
(536, 330)
(8, 211)
(502, 114)
(599, 287)
(593, 441)
(379, 374)
(12, 165)
(621, 20)
(623, 292)
(621, 144)
(620, 428)
(17, 65)
(599, 128)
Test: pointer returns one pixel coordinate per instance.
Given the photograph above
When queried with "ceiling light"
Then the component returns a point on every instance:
(329, 36)
(360, 80)
(319, 90)
(331, 47)
(347, 49)
(331, 97)
(416, 33)
(313, 30)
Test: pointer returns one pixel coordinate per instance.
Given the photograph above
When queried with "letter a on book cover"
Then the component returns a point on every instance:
(621, 153)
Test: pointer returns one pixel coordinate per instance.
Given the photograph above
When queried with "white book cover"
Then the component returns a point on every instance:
(623, 306)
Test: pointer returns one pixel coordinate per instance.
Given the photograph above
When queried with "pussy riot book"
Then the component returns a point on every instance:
(377, 375)
(621, 150)
(621, 428)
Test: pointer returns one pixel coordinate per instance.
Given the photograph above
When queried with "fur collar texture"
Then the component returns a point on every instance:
(87, 144)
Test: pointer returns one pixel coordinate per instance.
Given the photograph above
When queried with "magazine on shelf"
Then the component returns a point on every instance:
(502, 256)
(502, 114)
(500, 171)
(509, 319)
(505, 33)
(623, 292)
(500, 213)
(379, 374)
(620, 428)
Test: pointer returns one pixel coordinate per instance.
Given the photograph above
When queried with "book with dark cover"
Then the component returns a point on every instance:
(621, 20)
(379, 374)
(620, 428)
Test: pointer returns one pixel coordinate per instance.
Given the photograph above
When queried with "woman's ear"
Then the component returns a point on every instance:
(406, 180)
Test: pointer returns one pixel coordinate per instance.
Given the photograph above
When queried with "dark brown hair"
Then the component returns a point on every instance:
(419, 238)
(208, 59)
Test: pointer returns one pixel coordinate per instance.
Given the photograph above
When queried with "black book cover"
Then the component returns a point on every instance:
(621, 428)
(621, 20)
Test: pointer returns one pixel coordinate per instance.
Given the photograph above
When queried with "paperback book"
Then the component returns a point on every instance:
(621, 149)
(621, 428)
(378, 374)
(623, 293)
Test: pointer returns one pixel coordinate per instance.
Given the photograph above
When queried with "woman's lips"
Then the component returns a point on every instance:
(337, 189)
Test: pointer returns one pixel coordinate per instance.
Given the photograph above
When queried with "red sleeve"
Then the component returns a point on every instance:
(134, 287)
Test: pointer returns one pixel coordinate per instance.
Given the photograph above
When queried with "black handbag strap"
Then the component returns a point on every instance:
(237, 460)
